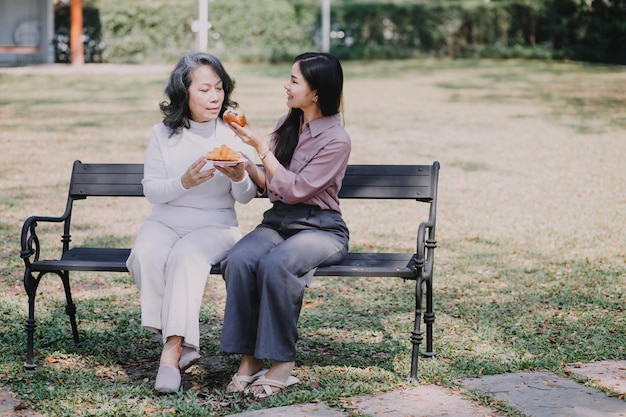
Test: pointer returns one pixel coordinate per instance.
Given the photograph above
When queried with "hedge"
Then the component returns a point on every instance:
(275, 30)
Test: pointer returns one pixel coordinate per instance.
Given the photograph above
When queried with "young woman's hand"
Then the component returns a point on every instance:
(234, 172)
(249, 135)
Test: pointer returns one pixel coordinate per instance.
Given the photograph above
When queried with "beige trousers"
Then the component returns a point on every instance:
(171, 269)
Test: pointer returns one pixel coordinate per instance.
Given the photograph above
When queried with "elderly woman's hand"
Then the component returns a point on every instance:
(194, 174)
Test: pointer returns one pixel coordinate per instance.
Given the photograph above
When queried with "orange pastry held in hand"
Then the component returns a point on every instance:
(223, 153)
(233, 115)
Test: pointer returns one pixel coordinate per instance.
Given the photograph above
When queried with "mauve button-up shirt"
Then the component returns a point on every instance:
(317, 167)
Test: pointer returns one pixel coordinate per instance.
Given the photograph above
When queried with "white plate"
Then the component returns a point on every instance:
(226, 163)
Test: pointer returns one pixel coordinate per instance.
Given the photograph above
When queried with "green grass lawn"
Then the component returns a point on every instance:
(530, 268)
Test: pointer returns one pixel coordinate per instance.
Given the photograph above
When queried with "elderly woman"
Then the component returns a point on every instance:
(193, 222)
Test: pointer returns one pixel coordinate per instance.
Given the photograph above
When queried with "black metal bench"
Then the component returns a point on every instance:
(407, 182)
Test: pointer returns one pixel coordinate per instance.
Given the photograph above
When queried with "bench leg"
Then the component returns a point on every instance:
(429, 320)
(416, 334)
(70, 307)
(30, 285)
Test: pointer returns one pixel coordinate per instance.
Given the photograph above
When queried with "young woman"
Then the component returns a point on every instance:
(193, 222)
(267, 271)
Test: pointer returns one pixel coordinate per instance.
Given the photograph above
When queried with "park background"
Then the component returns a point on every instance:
(145, 31)
(530, 265)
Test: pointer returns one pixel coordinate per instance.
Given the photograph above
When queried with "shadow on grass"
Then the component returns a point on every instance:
(336, 330)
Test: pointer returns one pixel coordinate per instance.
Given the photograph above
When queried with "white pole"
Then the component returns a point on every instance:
(202, 35)
(325, 25)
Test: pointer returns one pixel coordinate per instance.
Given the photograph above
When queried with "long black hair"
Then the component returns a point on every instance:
(176, 112)
(323, 73)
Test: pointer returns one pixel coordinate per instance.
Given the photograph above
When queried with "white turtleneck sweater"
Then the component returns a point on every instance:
(208, 204)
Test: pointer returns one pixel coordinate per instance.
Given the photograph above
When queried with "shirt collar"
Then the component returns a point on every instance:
(318, 126)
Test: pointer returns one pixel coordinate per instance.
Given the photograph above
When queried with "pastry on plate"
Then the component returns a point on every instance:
(223, 153)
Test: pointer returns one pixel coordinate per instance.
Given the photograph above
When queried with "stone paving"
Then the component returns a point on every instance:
(10, 406)
(533, 394)
(544, 394)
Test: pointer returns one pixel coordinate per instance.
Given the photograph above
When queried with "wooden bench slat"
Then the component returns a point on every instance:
(106, 190)
(109, 178)
(386, 181)
(361, 264)
(108, 168)
(372, 192)
(368, 170)
(356, 264)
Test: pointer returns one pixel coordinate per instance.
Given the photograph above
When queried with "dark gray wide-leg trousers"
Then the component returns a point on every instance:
(266, 274)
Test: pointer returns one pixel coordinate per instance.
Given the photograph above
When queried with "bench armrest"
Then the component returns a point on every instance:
(29, 239)
(425, 250)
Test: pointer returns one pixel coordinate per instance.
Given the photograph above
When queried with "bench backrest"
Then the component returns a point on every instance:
(405, 182)
(106, 180)
(418, 182)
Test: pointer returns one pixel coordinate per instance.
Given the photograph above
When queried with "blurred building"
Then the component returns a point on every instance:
(26, 32)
